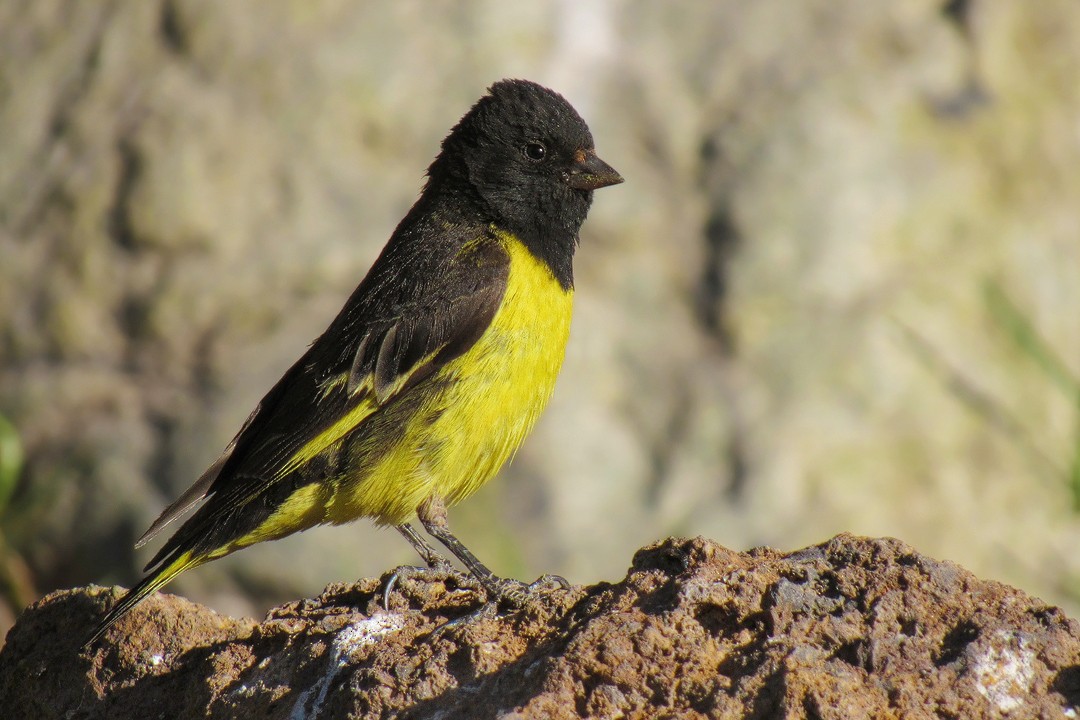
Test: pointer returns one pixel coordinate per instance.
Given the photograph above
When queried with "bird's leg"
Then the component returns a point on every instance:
(438, 567)
(430, 555)
(432, 514)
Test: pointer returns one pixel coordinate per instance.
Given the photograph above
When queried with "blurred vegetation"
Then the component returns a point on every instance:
(11, 460)
(16, 584)
(962, 384)
(1056, 466)
(1020, 330)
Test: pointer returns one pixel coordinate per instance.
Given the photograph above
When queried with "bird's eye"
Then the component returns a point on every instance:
(535, 151)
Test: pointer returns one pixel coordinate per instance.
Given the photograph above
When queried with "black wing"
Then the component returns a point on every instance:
(419, 307)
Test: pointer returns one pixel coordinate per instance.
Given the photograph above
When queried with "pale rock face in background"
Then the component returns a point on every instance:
(789, 319)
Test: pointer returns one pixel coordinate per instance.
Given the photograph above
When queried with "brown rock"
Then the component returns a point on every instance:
(852, 628)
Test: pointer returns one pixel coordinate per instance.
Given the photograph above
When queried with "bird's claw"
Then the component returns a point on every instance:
(549, 581)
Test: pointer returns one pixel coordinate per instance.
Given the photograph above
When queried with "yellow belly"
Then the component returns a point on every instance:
(496, 392)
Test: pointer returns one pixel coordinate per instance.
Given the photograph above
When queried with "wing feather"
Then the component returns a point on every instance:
(386, 367)
(388, 337)
(191, 497)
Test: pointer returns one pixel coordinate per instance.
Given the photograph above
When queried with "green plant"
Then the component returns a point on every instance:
(1027, 340)
(11, 460)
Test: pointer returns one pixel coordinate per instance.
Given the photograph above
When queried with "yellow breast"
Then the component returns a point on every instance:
(496, 392)
(505, 382)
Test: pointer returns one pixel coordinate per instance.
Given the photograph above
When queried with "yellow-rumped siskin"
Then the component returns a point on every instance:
(435, 370)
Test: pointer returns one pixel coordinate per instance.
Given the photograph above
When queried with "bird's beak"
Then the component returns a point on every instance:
(589, 172)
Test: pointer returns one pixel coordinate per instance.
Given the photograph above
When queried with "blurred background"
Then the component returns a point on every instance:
(839, 290)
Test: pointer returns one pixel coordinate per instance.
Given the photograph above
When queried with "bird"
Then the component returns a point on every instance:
(434, 371)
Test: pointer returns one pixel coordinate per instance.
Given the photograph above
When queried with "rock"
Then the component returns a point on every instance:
(851, 628)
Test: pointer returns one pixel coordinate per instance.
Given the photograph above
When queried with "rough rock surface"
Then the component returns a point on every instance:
(852, 628)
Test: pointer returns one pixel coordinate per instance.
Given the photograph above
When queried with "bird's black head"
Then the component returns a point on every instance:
(524, 159)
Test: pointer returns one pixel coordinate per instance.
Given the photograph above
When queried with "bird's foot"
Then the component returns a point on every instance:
(507, 593)
(441, 571)
(517, 594)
